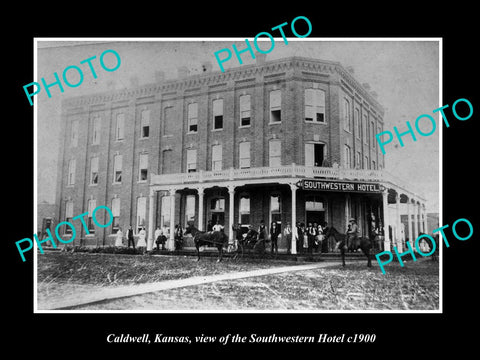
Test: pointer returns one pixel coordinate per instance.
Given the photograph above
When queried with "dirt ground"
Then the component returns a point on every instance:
(356, 287)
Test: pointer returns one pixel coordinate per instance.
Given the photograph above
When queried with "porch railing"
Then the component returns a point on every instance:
(279, 172)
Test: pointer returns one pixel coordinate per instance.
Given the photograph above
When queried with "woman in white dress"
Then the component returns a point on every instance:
(141, 239)
(119, 238)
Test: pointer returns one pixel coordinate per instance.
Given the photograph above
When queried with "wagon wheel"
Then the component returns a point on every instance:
(238, 252)
(259, 248)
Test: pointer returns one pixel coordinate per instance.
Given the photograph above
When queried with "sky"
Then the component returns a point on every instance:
(404, 74)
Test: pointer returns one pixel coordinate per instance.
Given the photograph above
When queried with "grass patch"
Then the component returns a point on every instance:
(355, 287)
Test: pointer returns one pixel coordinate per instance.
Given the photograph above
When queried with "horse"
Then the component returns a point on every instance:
(202, 238)
(359, 243)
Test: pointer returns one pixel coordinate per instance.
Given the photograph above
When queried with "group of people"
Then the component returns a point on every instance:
(130, 236)
(160, 237)
(308, 239)
(311, 238)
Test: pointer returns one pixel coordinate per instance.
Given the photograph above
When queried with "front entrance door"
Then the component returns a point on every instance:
(315, 217)
(218, 216)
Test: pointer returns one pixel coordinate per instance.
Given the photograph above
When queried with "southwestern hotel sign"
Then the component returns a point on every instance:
(328, 185)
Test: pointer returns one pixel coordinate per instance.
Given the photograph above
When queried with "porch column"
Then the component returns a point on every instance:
(171, 241)
(411, 240)
(415, 221)
(398, 240)
(151, 199)
(231, 193)
(386, 220)
(200, 208)
(425, 223)
(347, 213)
(293, 247)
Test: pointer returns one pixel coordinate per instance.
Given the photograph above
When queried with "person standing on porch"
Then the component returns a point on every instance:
(209, 225)
(130, 237)
(319, 246)
(274, 232)
(141, 240)
(287, 234)
(311, 232)
(299, 236)
(119, 238)
(178, 235)
(261, 231)
(217, 227)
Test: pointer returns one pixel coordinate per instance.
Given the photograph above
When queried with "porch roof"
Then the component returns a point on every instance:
(287, 174)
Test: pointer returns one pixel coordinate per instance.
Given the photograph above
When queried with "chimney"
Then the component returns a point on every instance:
(366, 86)
(260, 58)
(159, 76)
(182, 72)
(350, 69)
(206, 66)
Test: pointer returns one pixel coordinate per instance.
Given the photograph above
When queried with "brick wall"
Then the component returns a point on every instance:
(167, 143)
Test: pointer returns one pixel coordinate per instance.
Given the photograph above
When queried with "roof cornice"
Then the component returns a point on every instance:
(218, 77)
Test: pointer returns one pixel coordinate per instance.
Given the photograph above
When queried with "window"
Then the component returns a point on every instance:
(145, 123)
(117, 169)
(116, 214)
(68, 216)
(71, 172)
(94, 171)
(314, 154)
(314, 203)
(120, 128)
(191, 160)
(372, 133)
(143, 167)
(189, 209)
(366, 163)
(373, 165)
(244, 149)
(244, 210)
(74, 134)
(275, 208)
(348, 157)
(315, 105)
(218, 114)
(168, 165)
(346, 115)
(275, 106)
(245, 110)
(96, 125)
(165, 212)
(141, 212)
(358, 129)
(92, 204)
(357, 160)
(274, 153)
(217, 204)
(365, 128)
(192, 117)
(168, 121)
(217, 157)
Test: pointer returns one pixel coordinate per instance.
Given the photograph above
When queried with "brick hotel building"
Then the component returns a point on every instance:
(286, 140)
